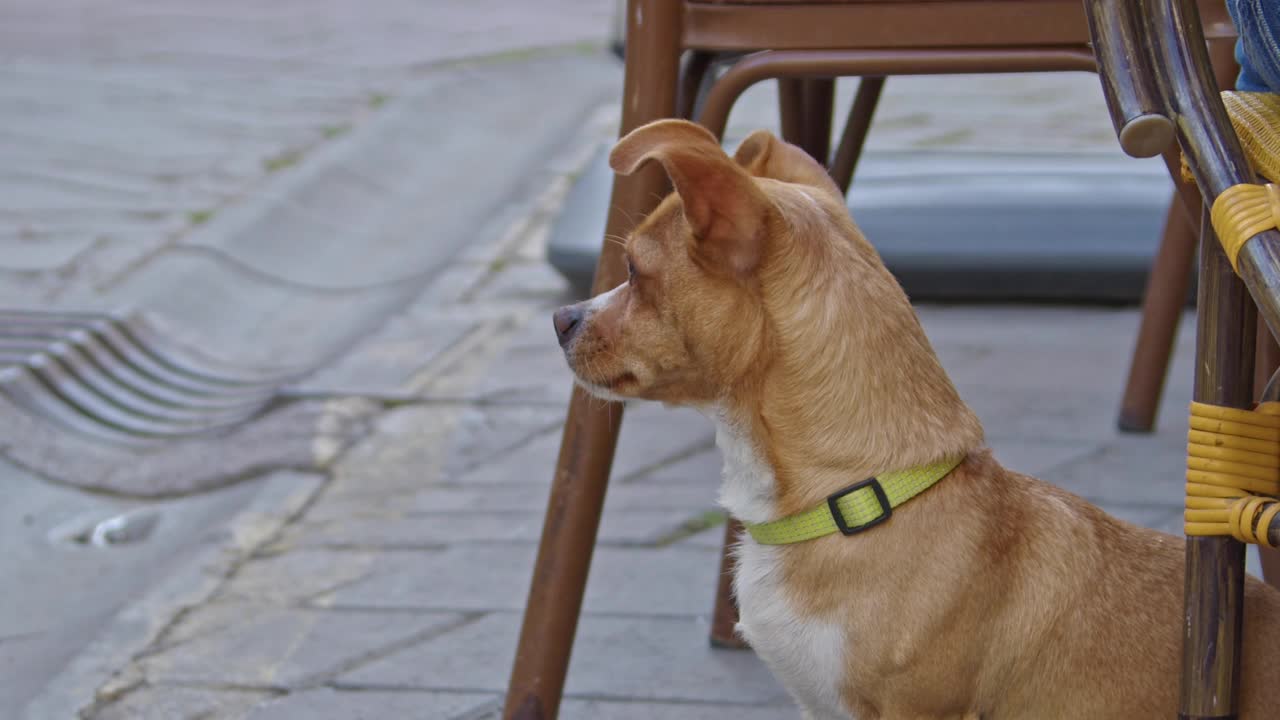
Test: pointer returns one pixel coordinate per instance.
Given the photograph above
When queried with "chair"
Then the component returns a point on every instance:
(804, 45)
(1175, 82)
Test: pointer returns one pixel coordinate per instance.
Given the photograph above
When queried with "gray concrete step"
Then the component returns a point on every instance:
(968, 225)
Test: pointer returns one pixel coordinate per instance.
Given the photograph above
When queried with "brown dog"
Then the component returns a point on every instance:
(992, 595)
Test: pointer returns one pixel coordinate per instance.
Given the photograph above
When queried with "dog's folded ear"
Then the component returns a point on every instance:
(726, 211)
(764, 155)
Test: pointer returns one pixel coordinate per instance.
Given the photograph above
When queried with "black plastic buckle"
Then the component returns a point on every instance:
(885, 508)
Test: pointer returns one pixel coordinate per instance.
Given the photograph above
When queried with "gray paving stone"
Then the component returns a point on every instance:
(709, 539)
(179, 703)
(664, 659)
(651, 436)
(244, 317)
(504, 441)
(1014, 414)
(531, 282)
(639, 710)
(404, 454)
(1033, 457)
(330, 704)
(531, 370)
(43, 253)
(272, 647)
(433, 530)
(1136, 470)
(384, 363)
(410, 489)
(672, 582)
(291, 437)
(700, 469)
(291, 578)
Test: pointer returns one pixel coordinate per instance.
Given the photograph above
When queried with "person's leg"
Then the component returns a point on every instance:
(1258, 49)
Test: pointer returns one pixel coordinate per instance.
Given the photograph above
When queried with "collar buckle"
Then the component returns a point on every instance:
(886, 510)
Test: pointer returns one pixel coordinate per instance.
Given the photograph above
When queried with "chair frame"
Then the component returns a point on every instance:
(1176, 82)
(792, 43)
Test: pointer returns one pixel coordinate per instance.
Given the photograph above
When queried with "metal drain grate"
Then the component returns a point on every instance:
(113, 377)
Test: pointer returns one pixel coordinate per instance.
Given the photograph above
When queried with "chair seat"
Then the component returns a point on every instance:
(1256, 119)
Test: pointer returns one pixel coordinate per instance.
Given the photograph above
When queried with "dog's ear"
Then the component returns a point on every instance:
(726, 211)
(764, 155)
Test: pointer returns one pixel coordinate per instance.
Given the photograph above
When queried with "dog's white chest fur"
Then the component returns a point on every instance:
(806, 653)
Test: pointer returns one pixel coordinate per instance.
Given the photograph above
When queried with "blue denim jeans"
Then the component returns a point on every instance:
(1258, 50)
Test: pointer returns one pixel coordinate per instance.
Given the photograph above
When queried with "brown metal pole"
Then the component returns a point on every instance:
(804, 110)
(1214, 584)
(790, 109)
(1163, 302)
(819, 100)
(724, 616)
(591, 430)
(855, 132)
(692, 77)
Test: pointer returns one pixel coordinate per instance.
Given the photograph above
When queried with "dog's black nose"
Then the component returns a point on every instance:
(567, 321)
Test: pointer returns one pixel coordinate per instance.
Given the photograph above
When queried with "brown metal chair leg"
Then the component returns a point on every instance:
(791, 108)
(692, 75)
(819, 102)
(855, 131)
(804, 106)
(724, 618)
(591, 430)
(1162, 305)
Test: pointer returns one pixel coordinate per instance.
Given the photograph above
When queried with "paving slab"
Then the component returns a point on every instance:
(640, 710)
(629, 658)
(48, 533)
(432, 531)
(298, 435)
(330, 704)
(650, 437)
(632, 581)
(279, 648)
(168, 703)
(1126, 470)
(295, 578)
(513, 497)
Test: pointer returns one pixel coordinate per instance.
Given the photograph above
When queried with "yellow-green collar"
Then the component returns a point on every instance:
(856, 508)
